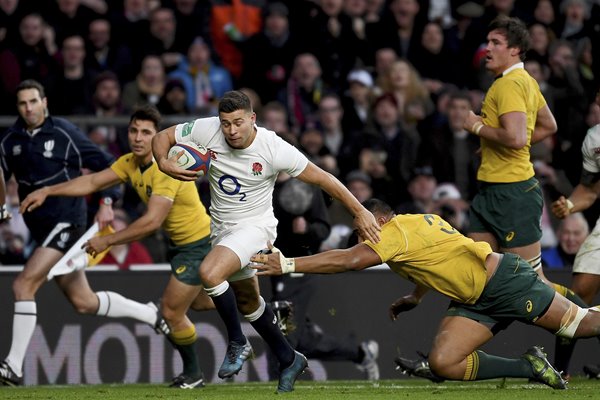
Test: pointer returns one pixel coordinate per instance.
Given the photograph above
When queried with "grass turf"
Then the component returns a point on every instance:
(413, 388)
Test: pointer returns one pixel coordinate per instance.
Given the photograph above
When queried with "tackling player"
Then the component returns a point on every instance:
(487, 289)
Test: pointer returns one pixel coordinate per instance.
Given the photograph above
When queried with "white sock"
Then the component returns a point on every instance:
(24, 321)
(114, 305)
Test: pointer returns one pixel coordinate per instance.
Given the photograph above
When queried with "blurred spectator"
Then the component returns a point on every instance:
(204, 81)
(397, 29)
(540, 38)
(374, 10)
(123, 255)
(358, 100)
(11, 14)
(106, 102)
(232, 22)
(570, 104)
(572, 232)
(174, 99)
(421, 186)
(30, 57)
(451, 150)
(303, 92)
(431, 54)
(312, 142)
(372, 162)
(74, 80)
(335, 43)
(12, 247)
(148, 86)
(274, 117)
(544, 13)
(387, 132)
(70, 17)
(107, 53)
(385, 57)
(574, 18)
(193, 20)
(161, 41)
(255, 99)
(448, 204)
(269, 54)
(130, 23)
(411, 94)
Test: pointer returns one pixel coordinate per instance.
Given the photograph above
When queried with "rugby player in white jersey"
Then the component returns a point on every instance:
(246, 161)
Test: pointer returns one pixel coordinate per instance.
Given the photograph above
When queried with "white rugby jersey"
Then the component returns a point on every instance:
(242, 180)
(591, 150)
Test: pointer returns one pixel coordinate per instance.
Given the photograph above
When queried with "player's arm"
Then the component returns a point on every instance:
(4, 214)
(355, 258)
(161, 143)
(364, 220)
(156, 212)
(545, 125)
(512, 132)
(80, 186)
(408, 302)
(583, 196)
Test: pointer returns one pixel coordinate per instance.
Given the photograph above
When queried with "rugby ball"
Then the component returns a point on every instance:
(194, 157)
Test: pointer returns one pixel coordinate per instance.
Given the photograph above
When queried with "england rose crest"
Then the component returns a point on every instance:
(257, 169)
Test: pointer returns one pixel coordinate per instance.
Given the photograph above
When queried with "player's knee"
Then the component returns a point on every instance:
(84, 304)
(211, 277)
(440, 364)
(571, 320)
(24, 287)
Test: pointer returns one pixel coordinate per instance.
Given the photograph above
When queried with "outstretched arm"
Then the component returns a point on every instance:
(156, 212)
(161, 144)
(4, 214)
(355, 258)
(364, 220)
(80, 186)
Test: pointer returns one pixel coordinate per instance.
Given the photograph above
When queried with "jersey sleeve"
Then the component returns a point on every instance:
(288, 158)
(165, 186)
(91, 155)
(120, 167)
(588, 150)
(199, 130)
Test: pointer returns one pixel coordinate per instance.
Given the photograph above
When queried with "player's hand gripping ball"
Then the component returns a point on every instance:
(194, 158)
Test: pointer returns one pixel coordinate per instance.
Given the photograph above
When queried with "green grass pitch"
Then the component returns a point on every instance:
(412, 388)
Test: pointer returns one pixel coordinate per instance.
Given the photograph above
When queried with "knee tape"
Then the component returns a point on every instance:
(217, 290)
(571, 320)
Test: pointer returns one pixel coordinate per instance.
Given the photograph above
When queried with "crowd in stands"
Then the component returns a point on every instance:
(373, 91)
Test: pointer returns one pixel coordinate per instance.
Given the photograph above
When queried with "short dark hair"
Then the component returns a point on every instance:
(460, 95)
(147, 113)
(31, 84)
(234, 100)
(515, 31)
(377, 206)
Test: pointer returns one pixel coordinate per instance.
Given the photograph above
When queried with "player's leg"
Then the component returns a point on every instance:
(564, 347)
(220, 263)
(176, 301)
(24, 287)
(587, 286)
(263, 320)
(455, 355)
(485, 237)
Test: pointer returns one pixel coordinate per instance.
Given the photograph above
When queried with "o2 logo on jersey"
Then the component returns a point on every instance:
(231, 186)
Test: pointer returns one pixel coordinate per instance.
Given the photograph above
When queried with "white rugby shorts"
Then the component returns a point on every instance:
(587, 260)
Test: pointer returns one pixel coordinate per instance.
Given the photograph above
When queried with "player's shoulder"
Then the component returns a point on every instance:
(61, 123)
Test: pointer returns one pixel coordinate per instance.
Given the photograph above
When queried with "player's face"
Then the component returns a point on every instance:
(31, 107)
(238, 128)
(498, 56)
(140, 134)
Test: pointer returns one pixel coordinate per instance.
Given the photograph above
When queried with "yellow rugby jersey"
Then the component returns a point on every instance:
(187, 220)
(426, 250)
(515, 91)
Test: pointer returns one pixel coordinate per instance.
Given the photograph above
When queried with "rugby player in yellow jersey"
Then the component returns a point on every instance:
(486, 289)
(507, 210)
(170, 204)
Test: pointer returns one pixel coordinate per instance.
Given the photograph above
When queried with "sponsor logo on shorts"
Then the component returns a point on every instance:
(529, 306)
(510, 236)
(181, 269)
(63, 239)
